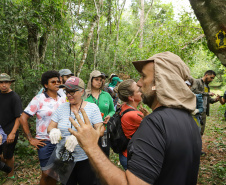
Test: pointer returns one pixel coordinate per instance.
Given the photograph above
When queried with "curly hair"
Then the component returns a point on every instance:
(47, 75)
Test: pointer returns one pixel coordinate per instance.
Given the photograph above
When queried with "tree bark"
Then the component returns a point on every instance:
(33, 45)
(212, 17)
(139, 28)
(96, 49)
(86, 46)
(141, 23)
(43, 46)
(117, 26)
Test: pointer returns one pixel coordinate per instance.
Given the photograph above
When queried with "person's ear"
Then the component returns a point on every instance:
(82, 91)
(130, 98)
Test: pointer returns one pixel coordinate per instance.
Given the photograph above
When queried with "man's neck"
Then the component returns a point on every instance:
(5, 92)
(203, 79)
(155, 104)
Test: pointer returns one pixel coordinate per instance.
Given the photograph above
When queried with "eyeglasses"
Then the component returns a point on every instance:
(70, 92)
(55, 82)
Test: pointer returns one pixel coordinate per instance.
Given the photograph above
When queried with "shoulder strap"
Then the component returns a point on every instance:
(127, 110)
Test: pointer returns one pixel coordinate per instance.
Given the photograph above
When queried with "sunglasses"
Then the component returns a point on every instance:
(54, 82)
(70, 92)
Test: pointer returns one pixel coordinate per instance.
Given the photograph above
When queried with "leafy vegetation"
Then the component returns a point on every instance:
(41, 35)
(37, 36)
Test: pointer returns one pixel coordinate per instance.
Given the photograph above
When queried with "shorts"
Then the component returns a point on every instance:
(44, 153)
(8, 149)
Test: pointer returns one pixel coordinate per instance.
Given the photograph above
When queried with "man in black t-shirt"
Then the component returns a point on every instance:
(10, 110)
(165, 150)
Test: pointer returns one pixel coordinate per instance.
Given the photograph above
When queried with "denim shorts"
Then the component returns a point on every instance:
(44, 153)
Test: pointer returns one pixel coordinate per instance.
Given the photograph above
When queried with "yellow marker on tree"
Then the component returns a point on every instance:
(221, 39)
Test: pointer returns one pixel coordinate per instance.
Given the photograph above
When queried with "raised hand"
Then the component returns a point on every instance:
(86, 135)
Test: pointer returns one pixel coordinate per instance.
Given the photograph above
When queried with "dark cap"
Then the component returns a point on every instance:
(106, 76)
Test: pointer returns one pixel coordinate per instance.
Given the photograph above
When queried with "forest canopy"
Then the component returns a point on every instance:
(83, 35)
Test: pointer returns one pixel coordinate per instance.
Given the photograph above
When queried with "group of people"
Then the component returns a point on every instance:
(164, 148)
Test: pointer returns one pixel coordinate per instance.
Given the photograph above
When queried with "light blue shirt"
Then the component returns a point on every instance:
(61, 116)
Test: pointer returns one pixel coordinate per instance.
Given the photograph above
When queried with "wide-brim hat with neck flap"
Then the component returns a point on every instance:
(170, 73)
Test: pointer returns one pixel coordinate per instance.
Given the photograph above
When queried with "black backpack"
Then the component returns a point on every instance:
(118, 140)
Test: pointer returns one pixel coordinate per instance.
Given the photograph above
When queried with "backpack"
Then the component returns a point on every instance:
(118, 140)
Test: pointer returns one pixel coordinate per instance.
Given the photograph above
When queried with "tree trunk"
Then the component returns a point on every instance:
(86, 46)
(43, 46)
(139, 28)
(141, 23)
(96, 49)
(117, 26)
(33, 46)
(212, 17)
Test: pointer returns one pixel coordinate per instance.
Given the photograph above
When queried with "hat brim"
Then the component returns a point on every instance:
(140, 64)
(68, 87)
(98, 76)
(72, 74)
(12, 80)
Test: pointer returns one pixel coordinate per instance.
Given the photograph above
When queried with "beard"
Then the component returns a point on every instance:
(148, 99)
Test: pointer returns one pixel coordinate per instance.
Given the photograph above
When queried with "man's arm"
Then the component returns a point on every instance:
(11, 136)
(88, 137)
(221, 99)
(24, 122)
(212, 100)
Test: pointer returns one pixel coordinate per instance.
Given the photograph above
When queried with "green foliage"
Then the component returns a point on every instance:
(67, 24)
(24, 150)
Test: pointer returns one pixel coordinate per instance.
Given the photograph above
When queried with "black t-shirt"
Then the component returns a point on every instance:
(166, 148)
(10, 109)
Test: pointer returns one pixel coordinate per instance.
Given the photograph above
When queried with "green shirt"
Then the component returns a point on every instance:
(104, 102)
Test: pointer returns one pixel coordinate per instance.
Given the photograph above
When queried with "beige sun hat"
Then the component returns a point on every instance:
(170, 74)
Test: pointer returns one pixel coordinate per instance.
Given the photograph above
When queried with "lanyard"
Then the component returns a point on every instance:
(97, 103)
(78, 110)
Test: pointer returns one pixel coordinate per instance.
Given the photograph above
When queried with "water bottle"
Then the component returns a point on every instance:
(104, 139)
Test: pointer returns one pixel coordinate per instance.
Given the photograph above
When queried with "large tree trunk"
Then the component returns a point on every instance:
(212, 17)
